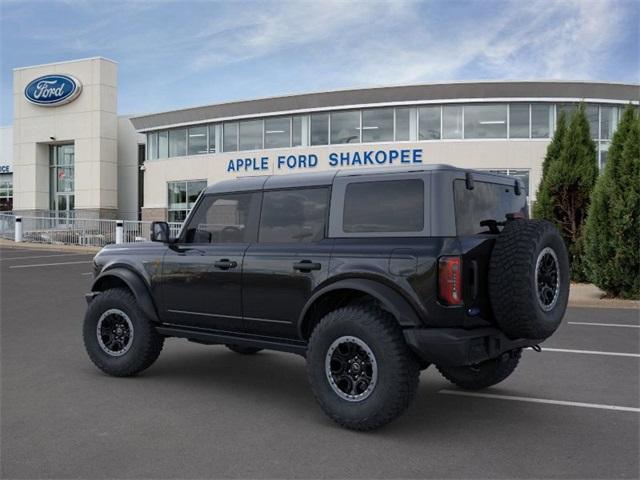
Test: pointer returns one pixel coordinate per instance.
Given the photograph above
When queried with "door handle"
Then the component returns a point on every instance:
(306, 266)
(225, 264)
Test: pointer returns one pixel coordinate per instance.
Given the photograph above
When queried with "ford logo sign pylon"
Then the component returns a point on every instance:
(52, 90)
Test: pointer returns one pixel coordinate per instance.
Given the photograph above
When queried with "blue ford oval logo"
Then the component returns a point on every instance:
(52, 90)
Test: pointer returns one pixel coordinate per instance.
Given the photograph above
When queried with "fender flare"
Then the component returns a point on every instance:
(392, 301)
(137, 286)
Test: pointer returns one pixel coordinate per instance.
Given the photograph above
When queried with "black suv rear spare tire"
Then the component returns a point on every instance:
(529, 279)
(361, 371)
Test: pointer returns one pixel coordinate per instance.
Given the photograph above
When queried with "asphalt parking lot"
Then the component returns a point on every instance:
(204, 412)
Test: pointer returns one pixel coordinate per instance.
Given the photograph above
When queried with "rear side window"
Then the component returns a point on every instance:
(294, 216)
(384, 206)
(487, 201)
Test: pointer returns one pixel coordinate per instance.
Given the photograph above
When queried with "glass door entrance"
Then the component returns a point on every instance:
(61, 162)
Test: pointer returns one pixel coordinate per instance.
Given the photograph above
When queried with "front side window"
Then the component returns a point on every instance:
(377, 125)
(452, 121)
(519, 120)
(277, 132)
(345, 127)
(228, 218)
(197, 140)
(251, 135)
(429, 123)
(230, 137)
(294, 216)
(485, 121)
(181, 198)
(178, 142)
(320, 129)
(384, 206)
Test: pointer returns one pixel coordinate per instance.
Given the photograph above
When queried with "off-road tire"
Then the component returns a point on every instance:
(513, 290)
(145, 346)
(397, 368)
(485, 374)
(242, 349)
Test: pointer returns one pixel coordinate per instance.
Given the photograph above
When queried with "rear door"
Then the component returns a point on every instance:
(289, 260)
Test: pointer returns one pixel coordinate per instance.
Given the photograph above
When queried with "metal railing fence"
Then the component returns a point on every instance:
(78, 231)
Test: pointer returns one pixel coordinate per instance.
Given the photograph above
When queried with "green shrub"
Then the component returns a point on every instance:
(612, 236)
(543, 207)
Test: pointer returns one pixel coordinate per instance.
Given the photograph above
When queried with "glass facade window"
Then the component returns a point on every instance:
(152, 146)
(320, 129)
(181, 198)
(520, 173)
(519, 120)
(604, 153)
(277, 132)
(197, 140)
(6, 192)
(230, 137)
(178, 142)
(485, 121)
(608, 122)
(452, 121)
(251, 135)
(403, 124)
(345, 127)
(212, 138)
(429, 123)
(163, 144)
(296, 131)
(61, 184)
(592, 117)
(377, 125)
(541, 120)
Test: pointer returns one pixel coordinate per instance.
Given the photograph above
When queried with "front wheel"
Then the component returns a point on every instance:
(485, 374)
(361, 371)
(119, 338)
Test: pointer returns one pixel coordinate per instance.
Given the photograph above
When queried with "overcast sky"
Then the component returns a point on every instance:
(185, 53)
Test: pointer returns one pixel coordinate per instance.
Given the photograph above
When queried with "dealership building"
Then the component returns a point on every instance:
(69, 151)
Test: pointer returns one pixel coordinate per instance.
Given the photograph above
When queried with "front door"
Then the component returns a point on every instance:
(290, 259)
(202, 271)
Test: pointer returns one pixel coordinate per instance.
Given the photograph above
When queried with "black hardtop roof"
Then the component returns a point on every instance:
(316, 179)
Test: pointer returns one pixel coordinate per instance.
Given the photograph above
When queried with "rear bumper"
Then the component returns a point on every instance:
(454, 347)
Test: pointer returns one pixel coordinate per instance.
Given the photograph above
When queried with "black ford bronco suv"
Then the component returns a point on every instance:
(371, 275)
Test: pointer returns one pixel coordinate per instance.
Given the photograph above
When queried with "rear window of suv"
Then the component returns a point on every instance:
(487, 201)
(384, 206)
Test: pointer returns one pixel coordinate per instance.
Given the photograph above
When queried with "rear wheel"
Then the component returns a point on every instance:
(242, 349)
(361, 371)
(485, 374)
(119, 338)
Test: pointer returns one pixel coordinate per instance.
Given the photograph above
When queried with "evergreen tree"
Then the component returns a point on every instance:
(569, 182)
(612, 235)
(543, 207)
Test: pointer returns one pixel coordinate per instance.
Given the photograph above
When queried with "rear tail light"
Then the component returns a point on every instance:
(450, 280)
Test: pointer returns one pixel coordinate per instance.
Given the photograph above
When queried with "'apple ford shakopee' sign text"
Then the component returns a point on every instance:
(53, 90)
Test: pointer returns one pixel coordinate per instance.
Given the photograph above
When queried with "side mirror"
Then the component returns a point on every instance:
(160, 232)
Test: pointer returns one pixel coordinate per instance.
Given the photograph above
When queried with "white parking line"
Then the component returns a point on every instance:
(87, 273)
(540, 400)
(604, 324)
(44, 256)
(591, 352)
(48, 264)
